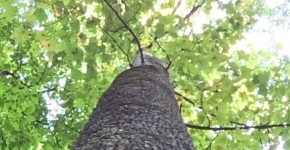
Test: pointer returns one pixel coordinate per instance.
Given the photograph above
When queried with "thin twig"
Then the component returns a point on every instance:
(237, 123)
(46, 65)
(6, 73)
(167, 56)
(63, 17)
(201, 103)
(209, 146)
(180, 108)
(48, 90)
(126, 54)
(185, 98)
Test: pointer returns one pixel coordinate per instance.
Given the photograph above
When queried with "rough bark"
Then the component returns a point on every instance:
(138, 111)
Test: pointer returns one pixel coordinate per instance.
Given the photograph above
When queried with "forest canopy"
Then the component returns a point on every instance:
(228, 61)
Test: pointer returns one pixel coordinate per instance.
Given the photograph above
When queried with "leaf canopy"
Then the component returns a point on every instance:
(58, 57)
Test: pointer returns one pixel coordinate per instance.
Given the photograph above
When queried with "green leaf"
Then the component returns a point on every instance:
(35, 49)
(29, 16)
(43, 5)
(77, 74)
(15, 125)
(30, 118)
(20, 35)
(66, 2)
(30, 109)
(40, 35)
(34, 100)
(79, 103)
(201, 118)
(40, 14)
(160, 30)
(47, 147)
(10, 11)
(50, 55)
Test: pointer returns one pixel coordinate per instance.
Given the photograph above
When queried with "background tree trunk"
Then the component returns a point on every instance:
(138, 111)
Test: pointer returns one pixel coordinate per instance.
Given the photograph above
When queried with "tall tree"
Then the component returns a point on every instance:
(138, 111)
(231, 79)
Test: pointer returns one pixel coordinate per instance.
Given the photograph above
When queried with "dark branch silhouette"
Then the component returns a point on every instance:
(124, 27)
(267, 126)
(129, 29)
(46, 65)
(194, 9)
(126, 54)
(48, 90)
(211, 141)
(7, 73)
(178, 4)
(167, 56)
(185, 98)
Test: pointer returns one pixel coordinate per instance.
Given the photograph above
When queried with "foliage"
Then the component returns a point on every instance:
(58, 57)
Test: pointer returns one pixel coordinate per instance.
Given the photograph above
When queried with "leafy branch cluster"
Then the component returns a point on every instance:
(239, 125)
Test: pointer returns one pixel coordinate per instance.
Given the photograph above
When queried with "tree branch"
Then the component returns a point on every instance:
(178, 4)
(120, 28)
(46, 65)
(48, 90)
(210, 144)
(267, 126)
(167, 57)
(6, 73)
(201, 103)
(129, 29)
(185, 98)
(126, 54)
(194, 9)
(63, 16)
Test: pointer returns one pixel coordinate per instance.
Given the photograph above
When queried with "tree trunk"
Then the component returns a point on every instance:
(138, 111)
